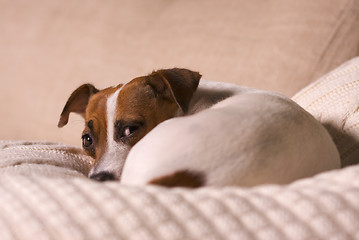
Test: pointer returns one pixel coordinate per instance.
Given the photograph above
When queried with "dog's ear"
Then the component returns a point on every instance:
(77, 103)
(176, 83)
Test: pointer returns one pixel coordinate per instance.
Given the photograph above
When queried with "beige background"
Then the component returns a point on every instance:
(48, 48)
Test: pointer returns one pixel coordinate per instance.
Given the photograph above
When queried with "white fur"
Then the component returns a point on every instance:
(235, 136)
(111, 111)
(111, 159)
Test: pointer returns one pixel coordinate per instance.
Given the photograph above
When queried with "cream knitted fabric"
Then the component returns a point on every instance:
(36, 205)
(44, 158)
(44, 193)
(334, 100)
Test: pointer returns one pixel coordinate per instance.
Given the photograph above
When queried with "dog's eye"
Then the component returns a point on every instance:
(87, 141)
(129, 130)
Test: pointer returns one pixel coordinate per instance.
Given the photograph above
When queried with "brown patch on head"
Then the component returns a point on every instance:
(96, 121)
(147, 101)
(139, 105)
(176, 83)
(184, 178)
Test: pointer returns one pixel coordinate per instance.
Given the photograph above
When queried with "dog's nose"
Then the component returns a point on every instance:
(103, 176)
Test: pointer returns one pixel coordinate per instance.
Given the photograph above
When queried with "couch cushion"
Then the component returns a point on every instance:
(334, 101)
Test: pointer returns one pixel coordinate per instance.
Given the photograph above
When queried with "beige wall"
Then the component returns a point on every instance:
(48, 48)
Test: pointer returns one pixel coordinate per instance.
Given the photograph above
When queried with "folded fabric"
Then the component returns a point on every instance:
(333, 100)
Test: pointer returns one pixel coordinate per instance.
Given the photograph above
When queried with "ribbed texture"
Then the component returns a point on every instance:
(38, 206)
(334, 100)
(46, 158)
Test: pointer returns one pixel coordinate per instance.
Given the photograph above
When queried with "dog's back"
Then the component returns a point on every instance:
(252, 137)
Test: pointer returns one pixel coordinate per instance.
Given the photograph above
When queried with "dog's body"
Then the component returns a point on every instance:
(252, 137)
(219, 134)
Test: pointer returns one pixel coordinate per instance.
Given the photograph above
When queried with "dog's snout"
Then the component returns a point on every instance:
(103, 176)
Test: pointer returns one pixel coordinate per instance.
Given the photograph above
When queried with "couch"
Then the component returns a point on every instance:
(303, 49)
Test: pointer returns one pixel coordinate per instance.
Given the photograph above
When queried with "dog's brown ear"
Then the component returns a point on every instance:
(77, 103)
(176, 83)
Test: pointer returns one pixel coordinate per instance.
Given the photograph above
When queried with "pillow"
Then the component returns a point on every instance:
(334, 101)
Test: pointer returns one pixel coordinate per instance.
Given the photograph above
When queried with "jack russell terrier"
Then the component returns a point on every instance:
(160, 129)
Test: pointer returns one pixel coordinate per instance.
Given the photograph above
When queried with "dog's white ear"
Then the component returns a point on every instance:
(176, 83)
(77, 103)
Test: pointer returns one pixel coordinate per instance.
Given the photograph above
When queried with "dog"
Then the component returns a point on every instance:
(170, 129)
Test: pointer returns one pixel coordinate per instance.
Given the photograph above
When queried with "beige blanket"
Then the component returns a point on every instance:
(44, 193)
(42, 196)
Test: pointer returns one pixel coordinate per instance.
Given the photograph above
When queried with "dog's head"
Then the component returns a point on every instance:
(116, 118)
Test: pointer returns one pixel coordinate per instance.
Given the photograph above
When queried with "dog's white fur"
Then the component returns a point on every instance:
(115, 152)
(235, 136)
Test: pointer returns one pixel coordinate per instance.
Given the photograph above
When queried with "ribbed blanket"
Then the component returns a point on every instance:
(43, 195)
